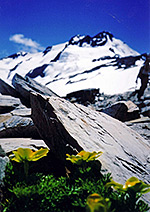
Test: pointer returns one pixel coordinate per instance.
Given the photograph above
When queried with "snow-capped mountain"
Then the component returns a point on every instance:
(83, 62)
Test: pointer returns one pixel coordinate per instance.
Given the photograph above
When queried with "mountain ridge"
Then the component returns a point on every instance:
(101, 61)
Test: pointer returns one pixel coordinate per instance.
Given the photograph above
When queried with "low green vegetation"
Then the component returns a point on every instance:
(83, 189)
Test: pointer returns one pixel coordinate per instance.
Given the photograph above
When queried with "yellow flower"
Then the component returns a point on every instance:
(26, 154)
(132, 183)
(83, 156)
(98, 203)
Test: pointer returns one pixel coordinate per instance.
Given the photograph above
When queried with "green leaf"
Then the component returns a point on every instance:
(115, 185)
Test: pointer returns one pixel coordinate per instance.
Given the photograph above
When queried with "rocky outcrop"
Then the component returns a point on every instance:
(8, 103)
(15, 118)
(3, 161)
(124, 107)
(142, 126)
(39, 71)
(71, 127)
(123, 111)
(84, 97)
(17, 126)
(48, 49)
(7, 145)
(146, 111)
(98, 40)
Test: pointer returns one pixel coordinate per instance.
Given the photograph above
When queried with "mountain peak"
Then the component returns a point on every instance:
(98, 40)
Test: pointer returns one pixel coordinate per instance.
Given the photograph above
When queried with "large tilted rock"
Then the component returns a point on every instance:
(62, 124)
(51, 130)
(26, 85)
(6, 89)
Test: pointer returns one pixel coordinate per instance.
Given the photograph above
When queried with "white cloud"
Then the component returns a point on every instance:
(26, 43)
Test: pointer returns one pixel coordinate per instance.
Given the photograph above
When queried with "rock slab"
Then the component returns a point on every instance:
(63, 124)
(26, 85)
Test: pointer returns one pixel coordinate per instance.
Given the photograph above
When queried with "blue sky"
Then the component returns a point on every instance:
(32, 25)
